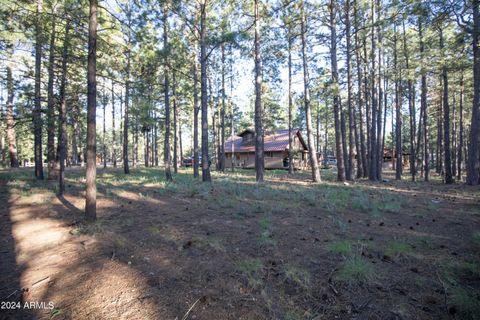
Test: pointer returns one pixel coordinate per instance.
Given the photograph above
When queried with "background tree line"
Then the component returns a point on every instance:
(358, 77)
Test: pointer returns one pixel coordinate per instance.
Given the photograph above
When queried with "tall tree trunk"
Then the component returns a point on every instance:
(196, 110)
(398, 112)
(2, 143)
(446, 119)
(460, 138)
(317, 145)
(411, 107)
(166, 147)
(344, 137)
(290, 101)
(175, 124)
(424, 106)
(63, 114)
(325, 147)
(373, 152)
(126, 167)
(222, 115)
(37, 114)
(214, 119)
(454, 136)
(75, 133)
(362, 154)
(351, 142)
(135, 143)
(259, 157)
(104, 153)
(114, 138)
(91, 188)
(12, 145)
(306, 85)
(473, 161)
(51, 104)
(385, 101)
(155, 139)
(180, 141)
(379, 144)
(206, 177)
(146, 153)
(367, 101)
(440, 132)
(336, 97)
(232, 116)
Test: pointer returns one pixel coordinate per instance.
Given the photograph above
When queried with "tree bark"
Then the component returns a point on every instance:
(351, 141)
(336, 93)
(222, 115)
(312, 152)
(37, 114)
(454, 136)
(363, 153)
(473, 162)
(75, 134)
(290, 101)
(206, 177)
(440, 132)
(379, 143)
(259, 157)
(460, 139)
(63, 114)
(398, 113)
(175, 124)
(126, 167)
(104, 153)
(373, 152)
(166, 146)
(424, 106)
(114, 137)
(51, 104)
(91, 188)
(12, 145)
(411, 107)
(196, 110)
(446, 119)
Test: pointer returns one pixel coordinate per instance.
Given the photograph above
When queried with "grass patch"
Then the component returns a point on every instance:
(343, 247)
(298, 275)
(153, 230)
(476, 238)
(266, 236)
(467, 301)
(356, 269)
(252, 268)
(398, 249)
(216, 244)
(88, 228)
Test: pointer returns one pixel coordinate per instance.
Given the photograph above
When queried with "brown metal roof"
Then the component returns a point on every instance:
(276, 141)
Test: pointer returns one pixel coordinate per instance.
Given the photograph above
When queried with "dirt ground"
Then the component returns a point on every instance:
(288, 249)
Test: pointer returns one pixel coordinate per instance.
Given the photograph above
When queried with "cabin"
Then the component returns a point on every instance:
(240, 150)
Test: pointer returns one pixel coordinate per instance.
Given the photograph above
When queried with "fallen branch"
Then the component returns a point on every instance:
(333, 289)
(40, 282)
(189, 310)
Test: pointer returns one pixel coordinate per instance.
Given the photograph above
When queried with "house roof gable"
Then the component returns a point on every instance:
(276, 141)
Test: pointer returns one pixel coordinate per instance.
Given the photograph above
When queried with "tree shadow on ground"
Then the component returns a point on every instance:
(158, 249)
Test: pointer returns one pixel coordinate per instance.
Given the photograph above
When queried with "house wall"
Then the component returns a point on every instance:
(273, 160)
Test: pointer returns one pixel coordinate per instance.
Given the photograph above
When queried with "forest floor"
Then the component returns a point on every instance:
(288, 249)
